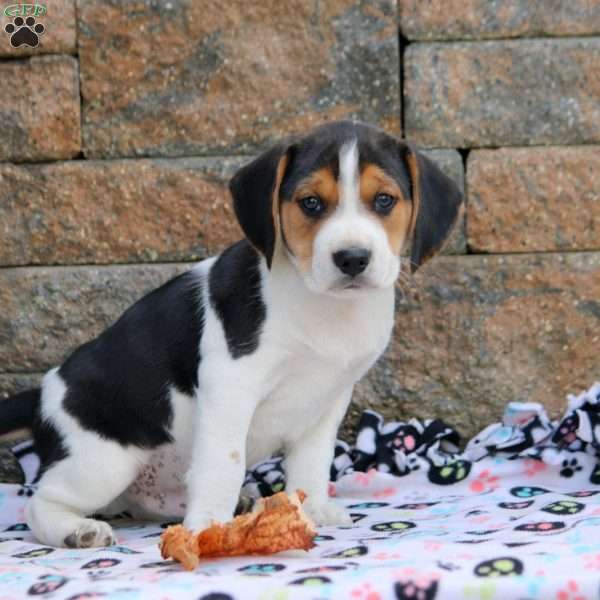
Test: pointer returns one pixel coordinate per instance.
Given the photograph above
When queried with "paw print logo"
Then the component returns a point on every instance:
(570, 467)
(499, 567)
(564, 507)
(24, 32)
(527, 491)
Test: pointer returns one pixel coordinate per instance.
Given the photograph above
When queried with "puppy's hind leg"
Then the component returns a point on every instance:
(93, 475)
(85, 476)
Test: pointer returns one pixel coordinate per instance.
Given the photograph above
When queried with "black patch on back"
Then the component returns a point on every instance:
(235, 295)
(118, 384)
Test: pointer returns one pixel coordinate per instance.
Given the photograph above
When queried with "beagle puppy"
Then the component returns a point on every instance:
(249, 353)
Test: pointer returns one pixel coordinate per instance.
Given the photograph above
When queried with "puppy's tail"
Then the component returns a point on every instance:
(19, 410)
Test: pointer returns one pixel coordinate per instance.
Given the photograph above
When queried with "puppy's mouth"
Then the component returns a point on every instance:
(352, 284)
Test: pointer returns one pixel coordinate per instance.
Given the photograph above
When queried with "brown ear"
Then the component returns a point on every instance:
(436, 206)
(255, 191)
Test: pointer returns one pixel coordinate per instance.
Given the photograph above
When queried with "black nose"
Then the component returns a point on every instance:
(352, 261)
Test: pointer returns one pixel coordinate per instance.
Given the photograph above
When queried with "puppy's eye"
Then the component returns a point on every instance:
(312, 206)
(383, 203)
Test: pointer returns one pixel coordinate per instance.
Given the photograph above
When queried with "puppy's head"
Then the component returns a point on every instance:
(342, 202)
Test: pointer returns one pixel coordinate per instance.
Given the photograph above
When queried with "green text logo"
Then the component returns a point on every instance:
(24, 10)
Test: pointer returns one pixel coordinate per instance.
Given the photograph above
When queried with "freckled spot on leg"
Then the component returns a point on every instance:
(235, 456)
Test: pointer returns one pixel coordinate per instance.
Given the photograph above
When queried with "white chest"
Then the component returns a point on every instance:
(307, 357)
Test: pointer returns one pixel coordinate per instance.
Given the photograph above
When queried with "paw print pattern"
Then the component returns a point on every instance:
(582, 494)
(101, 563)
(323, 538)
(312, 580)
(499, 567)
(516, 505)
(24, 32)
(528, 491)
(367, 505)
(35, 553)
(18, 527)
(570, 467)
(411, 590)
(405, 440)
(323, 569)
(541, 527)
(261, 569)
(393, 526)
(564, 507)
(349, 552)
(453, 472)
(356, 517)
(566, 436)
(416, 506)
(46, 585)
(595, 475)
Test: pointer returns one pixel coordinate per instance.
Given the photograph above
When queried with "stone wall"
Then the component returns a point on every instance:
(118, 134)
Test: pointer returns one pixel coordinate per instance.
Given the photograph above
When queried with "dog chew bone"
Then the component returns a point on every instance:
(278, 523)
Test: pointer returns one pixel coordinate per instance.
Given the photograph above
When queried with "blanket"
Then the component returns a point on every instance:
(516, 514)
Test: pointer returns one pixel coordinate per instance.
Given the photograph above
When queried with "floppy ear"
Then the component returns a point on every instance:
(436, 206)
(255, 191)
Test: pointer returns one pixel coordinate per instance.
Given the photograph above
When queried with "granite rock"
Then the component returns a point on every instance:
(39, 109)
(189, 78)
(115, 211)
(487, 19)
(534, 199)
(47, 312)
(510, 93)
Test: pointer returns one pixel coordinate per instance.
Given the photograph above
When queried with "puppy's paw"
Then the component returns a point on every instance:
(91, 534)
(327, 513)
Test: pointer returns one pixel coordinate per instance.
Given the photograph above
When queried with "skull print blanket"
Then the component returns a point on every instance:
(516, 514)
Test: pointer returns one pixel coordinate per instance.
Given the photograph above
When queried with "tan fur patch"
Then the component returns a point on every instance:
(299, 230)
(398, 222)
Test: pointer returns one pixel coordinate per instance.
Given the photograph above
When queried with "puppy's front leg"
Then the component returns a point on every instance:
(218, 464)
(308, 463)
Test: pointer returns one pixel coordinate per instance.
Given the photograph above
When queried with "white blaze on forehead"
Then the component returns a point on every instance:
(349, 183)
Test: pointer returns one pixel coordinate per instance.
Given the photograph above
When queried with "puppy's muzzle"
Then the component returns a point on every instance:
(352, 261)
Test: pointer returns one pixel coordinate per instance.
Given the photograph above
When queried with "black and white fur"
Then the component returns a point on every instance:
(240, 357)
